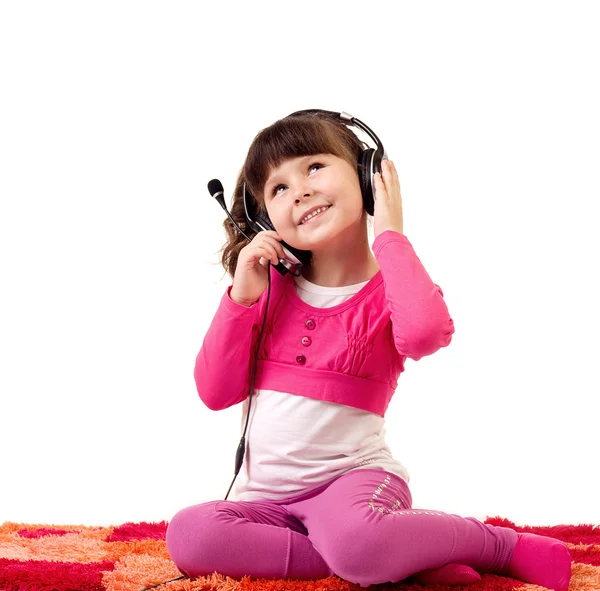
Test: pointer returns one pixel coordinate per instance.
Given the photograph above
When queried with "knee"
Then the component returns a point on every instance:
(360, 556)
(189, 538)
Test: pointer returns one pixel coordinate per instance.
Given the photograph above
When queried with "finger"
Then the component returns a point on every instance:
(273, 233)
(387, 168)
(271, 253)
(388, 165)
(393, 172)
(390, 176)
(276, 245)
(268, 257)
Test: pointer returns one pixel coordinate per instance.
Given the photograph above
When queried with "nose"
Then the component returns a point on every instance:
(303, 190)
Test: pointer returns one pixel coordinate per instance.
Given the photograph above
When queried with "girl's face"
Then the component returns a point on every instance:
(301, 184)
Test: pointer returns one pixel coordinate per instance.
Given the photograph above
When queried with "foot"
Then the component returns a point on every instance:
(449, 574)
(541, 560)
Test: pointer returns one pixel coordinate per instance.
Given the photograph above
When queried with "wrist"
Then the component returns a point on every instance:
(239, 300)
(395, 228)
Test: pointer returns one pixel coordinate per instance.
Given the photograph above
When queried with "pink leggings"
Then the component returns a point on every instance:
(359, 527)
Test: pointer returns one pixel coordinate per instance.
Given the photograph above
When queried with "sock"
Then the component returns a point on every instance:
(449, 574)
(541, 560)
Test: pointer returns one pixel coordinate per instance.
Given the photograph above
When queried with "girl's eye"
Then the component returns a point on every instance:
(275, 189)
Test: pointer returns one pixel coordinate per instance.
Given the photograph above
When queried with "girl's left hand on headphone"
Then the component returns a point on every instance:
(388, 201)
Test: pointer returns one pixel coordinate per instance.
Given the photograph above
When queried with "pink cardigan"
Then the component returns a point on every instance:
(351, 353)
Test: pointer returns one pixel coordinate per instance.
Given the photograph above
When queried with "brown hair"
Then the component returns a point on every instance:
(293, 136)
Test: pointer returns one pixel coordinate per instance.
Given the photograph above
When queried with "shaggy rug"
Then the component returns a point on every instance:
(132, 556)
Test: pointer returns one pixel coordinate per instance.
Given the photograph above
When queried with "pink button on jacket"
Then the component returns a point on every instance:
(351, 354)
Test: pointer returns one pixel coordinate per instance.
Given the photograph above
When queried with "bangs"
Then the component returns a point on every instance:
(292, 137)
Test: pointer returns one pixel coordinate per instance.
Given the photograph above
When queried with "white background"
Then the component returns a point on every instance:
(115, 115)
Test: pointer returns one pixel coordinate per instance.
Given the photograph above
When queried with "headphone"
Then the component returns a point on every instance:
(369, 163)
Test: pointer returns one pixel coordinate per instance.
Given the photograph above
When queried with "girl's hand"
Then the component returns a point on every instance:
(388, 201)
(250, 278)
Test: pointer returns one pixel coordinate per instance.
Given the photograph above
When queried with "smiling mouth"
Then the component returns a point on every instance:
(315, 216)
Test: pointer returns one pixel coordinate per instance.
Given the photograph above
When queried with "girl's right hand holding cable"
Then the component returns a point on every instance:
(250, 279)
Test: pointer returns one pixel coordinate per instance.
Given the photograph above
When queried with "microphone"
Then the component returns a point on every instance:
(294, 257)
(215, 188)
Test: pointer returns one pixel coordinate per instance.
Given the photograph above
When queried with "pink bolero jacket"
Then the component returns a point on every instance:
(351, 353)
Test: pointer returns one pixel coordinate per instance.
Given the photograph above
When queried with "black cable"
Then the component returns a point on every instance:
(242, 445)
(239, 456)
(164, 583)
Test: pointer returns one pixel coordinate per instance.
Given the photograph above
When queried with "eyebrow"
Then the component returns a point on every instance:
(272, 180)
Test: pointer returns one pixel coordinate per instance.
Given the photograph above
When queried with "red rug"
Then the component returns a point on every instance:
(132, 556)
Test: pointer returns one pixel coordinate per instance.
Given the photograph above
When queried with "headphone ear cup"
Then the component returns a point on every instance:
(366, 180)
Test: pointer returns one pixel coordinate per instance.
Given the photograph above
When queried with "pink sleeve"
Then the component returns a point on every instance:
(421, 323)
(224, 363)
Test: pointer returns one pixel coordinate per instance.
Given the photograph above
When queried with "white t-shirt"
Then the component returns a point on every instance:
(295, 444)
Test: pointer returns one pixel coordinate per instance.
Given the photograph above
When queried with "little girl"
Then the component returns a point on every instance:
(320, 493)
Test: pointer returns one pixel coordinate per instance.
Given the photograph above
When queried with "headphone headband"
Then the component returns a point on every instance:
(369, 162)
(380, 151)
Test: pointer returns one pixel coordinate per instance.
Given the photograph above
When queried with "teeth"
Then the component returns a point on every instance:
(313, 214)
